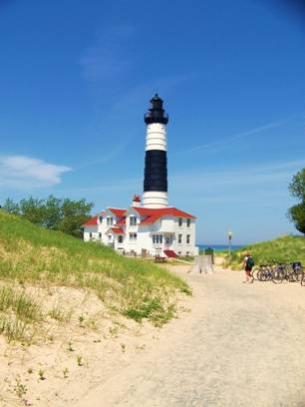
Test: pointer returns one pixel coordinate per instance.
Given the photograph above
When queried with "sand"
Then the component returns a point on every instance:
(233, 344)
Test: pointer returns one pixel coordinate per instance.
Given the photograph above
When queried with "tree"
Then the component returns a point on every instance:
(53, 213)
(297, 186)
(74, 214)
(11, 207)
(33, 210)
(297, 212)
(65, 215)
(297, 216)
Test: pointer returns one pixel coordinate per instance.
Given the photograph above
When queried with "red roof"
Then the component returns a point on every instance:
(117, 231)
(91, 222)
(152, 215)
(118, 212)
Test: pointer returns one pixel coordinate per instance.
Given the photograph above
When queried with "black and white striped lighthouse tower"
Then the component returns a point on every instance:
(155, 174)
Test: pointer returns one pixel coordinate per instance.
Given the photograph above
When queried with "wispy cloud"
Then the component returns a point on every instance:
(260, 175)
(119, 185)
(164, 85)
(131, 103)
(223, 143)
(227, 186)
(116, 151)
(23, 172)
(109, 56)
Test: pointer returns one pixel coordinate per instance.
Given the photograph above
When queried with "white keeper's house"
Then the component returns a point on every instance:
(149, 226)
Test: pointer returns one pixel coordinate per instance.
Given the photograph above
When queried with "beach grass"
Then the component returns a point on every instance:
(285, 249)
(32, 255)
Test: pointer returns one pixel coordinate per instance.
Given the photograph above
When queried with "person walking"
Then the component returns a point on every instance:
(248, 266)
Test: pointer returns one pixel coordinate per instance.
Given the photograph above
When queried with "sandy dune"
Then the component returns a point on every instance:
(232, 345)
(241, 345)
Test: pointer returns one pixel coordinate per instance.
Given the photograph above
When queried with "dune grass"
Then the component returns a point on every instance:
(18, 313)
(285, 249)
(135, 288)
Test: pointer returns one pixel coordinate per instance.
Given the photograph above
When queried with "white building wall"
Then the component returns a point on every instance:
(184, 248)
(91, 234)
(168, 227)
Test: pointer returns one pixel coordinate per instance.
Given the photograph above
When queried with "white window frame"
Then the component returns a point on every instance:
(157, 239)
(133, 236)
(132, 220)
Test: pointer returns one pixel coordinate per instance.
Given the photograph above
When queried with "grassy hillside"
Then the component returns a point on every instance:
(285, 249)
(30, 255)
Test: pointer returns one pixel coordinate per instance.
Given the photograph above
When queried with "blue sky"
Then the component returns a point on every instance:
(76, 78)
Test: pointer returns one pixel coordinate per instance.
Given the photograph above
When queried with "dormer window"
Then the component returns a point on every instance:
(132, 220)
(109, 221)
(101, 219)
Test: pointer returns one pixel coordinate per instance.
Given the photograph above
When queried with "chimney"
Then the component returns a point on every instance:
(136, 201)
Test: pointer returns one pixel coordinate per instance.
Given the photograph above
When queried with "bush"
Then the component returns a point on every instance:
(64, 215)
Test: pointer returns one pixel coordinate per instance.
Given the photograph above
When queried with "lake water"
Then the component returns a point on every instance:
(219, 247)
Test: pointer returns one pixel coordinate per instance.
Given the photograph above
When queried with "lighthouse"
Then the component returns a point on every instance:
(149, 226)
(155, 194)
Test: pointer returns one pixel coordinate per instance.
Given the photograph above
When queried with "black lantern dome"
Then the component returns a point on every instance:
(156, 113)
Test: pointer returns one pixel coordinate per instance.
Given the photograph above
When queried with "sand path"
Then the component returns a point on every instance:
(241, 345)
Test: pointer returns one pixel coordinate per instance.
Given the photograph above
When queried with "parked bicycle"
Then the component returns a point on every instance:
(280, 273)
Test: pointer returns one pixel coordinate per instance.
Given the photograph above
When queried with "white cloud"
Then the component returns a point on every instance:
(26, 172)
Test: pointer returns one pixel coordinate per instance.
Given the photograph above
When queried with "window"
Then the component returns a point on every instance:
(188, 223)
(132, 236)
(90, 235)
(100, 235)
(101, 219)
(109, 221)
(188, 239)
(180, 221)
(132, 220)
(157, 239)
(120, 239)
(179, 238)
